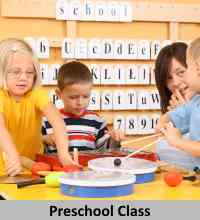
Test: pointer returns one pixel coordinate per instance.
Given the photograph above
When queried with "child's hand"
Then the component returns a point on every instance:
(117, 135)
(66, 159)
(164, 119)
(177, 99)
(159, 127)
(180, 97)
(13, 165)
(49, 139)
(172, 134)
(187, 93)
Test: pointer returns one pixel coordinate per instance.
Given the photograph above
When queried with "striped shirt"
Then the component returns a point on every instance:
(85, 132)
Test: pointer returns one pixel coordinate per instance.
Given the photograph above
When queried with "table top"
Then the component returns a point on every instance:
(155, 190)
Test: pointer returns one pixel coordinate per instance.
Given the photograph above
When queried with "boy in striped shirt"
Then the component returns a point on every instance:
(85, 129)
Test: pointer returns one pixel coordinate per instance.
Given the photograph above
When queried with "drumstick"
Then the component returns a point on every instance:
(142, 148)
(75, 155)
(140, 139)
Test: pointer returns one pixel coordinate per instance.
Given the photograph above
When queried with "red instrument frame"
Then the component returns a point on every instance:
(85, 156)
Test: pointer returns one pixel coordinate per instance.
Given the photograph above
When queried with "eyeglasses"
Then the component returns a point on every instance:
(18, 74)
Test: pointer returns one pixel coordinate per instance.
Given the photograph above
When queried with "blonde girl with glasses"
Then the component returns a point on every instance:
(22, 105)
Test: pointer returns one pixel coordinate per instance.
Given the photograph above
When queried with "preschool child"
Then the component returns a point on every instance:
(86, 130)
(186, 118)
(22, 105)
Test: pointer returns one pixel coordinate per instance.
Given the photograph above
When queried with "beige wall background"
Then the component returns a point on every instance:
(19, 19)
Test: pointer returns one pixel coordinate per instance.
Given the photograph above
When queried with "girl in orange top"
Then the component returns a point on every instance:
(22, 104)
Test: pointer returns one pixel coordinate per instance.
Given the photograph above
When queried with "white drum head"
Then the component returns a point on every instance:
(97, 179)
(128, 165)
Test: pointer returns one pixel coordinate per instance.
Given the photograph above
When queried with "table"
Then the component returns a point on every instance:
(155, 190)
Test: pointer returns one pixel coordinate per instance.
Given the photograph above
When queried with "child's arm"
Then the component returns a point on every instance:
(108, 138)
(174, 137)
(116, 136)
(180, 117)
(61, 138)
(47, 135)
(49, 139)
(12, 159)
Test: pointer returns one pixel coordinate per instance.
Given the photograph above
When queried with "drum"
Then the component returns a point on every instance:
(143, 169)
(92, 184)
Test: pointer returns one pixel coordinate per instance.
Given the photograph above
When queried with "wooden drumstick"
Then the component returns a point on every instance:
(142, 148)
(75, 155)
(140, 139)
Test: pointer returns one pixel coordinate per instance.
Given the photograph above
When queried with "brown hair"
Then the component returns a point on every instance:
(163, 67)
(73, 72)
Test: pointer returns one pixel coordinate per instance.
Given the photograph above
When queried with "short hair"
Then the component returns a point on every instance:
(194, 49)
(10, 46)
(163, 67)
(73, 72)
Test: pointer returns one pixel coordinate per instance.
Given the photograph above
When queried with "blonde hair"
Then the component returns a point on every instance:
(7, 48)
(194, 49)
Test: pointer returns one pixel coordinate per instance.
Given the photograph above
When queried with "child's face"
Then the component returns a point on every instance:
(20, 75)
(192, 75)
(76, 97)
(175, 78)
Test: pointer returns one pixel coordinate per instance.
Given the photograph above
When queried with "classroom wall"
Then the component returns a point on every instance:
(21, 27)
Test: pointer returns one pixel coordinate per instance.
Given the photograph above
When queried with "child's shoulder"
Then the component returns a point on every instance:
(38, 97)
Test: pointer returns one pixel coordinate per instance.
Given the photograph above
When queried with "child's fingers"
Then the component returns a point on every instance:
(67, 160)
(13, 170)
(51, 139)
(164, 128)
(158, 128)
(118, 135)
(163, 131)
(77, 164)
(169, 126)
(122, 136)
(174, 100)
(169, 108)
(9, 163)
(12, 165)
(181, 99)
